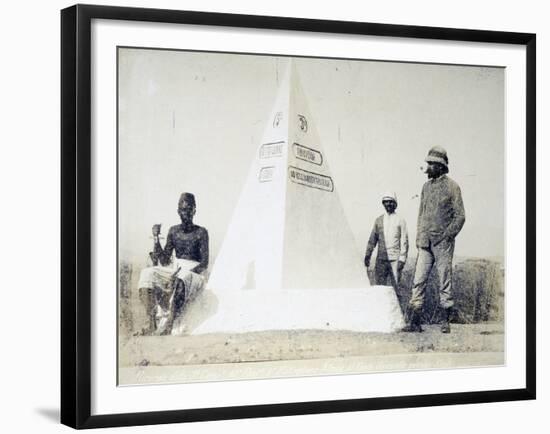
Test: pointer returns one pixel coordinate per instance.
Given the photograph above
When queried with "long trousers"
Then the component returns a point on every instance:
(440, 258)
(386, 273)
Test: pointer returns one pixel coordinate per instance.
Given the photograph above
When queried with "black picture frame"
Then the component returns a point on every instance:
(76, 210)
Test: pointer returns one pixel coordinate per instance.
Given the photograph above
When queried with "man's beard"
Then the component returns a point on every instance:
(435, 173)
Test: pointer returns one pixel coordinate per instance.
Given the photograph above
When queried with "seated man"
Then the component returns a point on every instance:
(165, 288)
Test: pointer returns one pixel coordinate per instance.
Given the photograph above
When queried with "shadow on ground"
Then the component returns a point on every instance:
(51, 414)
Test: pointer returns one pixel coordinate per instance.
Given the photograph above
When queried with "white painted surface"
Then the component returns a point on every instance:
(374, 309)
(289, 259)
(288, 232)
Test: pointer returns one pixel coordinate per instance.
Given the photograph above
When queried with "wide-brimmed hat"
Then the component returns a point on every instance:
(437, 155)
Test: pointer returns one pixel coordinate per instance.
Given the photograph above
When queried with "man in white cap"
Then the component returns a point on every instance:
(440, 219)
(390, 234)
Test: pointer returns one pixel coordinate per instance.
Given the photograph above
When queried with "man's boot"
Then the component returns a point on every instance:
(446, 323)
(415, 320)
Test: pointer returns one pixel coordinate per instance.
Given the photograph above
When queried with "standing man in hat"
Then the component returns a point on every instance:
(440, 219)
(390, 234)
(169, 284)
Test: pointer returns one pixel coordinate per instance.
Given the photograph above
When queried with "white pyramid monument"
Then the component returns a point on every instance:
(289, 259)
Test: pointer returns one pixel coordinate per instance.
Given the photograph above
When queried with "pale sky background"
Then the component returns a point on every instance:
(193, 122)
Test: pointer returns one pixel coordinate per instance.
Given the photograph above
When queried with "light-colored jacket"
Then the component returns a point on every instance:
(393, 242)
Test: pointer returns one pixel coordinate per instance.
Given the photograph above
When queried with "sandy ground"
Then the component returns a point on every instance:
(219, 356)
(291, 353)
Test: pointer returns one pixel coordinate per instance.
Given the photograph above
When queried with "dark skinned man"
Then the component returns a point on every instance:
(390, 234)
(169, 284)
(440, 218)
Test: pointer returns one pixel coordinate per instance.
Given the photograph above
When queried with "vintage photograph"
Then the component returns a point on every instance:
(295, 216)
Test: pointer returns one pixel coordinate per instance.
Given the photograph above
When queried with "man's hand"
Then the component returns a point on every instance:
(156, 231)
(367, 261)
(174, 277)
(400, 266)
(446, 238)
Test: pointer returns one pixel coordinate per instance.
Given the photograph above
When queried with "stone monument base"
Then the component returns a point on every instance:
(370, 309)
